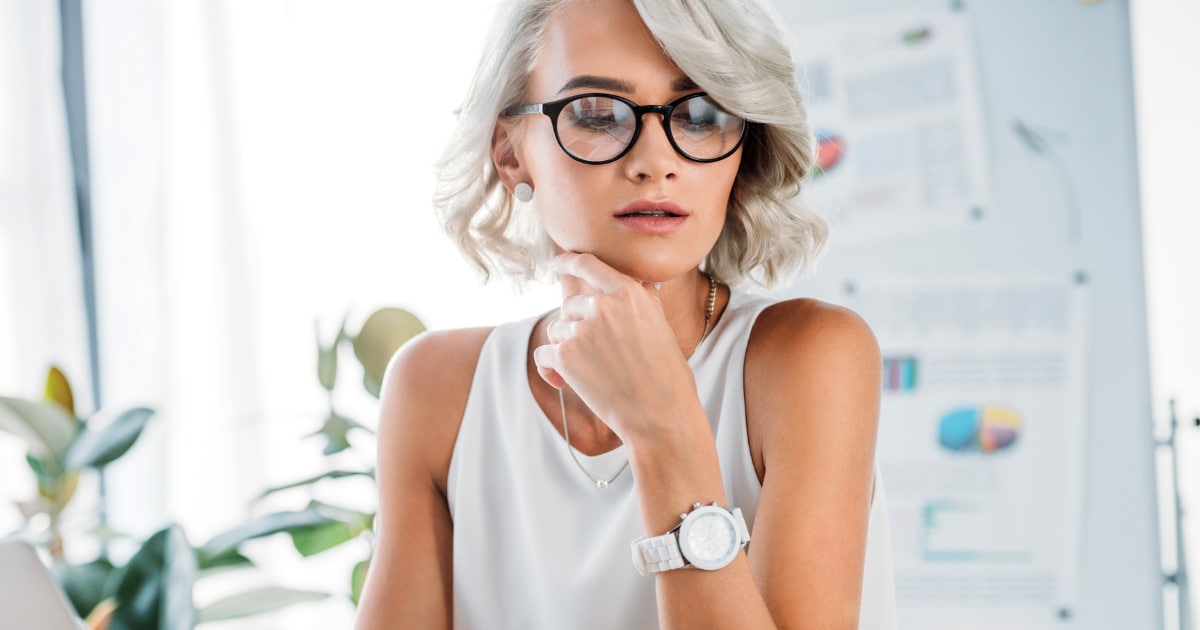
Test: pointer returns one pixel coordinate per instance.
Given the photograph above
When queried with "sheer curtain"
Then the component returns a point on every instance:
(267, 171)
(41, 304)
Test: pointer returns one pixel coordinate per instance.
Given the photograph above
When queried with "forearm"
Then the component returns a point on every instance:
(674, 471)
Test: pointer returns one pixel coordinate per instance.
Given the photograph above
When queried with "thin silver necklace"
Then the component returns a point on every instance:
(562, 401)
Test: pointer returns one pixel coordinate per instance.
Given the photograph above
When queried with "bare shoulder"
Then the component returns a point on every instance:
(801, 332)
(433, 356)
(424, 394)
(813, 374)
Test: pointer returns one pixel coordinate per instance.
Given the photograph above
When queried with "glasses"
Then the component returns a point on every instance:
(600, 128)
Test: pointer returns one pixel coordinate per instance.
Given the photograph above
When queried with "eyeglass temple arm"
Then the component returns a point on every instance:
(520, 110)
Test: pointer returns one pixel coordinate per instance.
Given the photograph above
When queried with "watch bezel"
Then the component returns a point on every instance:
(694, 517)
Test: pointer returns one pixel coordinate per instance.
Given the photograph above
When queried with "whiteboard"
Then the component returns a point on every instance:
(1013, 269)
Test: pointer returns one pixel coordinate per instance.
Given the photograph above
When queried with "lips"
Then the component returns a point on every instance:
(652, 217)
(648, 208)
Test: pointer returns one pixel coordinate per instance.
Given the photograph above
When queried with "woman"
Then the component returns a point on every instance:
(659, 419)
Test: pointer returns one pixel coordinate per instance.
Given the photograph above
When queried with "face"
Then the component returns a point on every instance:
(614, 210)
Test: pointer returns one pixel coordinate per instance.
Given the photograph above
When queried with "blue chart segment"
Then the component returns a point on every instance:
(985, 429)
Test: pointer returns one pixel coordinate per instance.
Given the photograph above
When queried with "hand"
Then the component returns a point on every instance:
(613, 345)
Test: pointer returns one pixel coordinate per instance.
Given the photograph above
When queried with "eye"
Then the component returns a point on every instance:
(698, 115)
(596, 114)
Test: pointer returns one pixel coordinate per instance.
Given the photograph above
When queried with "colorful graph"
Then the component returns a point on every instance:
(899, 374)
(830, 149)
(985, 429)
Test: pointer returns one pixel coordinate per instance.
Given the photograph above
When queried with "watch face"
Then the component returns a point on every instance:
(709, 538)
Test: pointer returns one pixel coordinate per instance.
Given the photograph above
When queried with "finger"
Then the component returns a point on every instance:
(578, 307)
(561, 330)
(591, 270)
(546, 359)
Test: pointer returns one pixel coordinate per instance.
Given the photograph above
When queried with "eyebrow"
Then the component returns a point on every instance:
(682, 84)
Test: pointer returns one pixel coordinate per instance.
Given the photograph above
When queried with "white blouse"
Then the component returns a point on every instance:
(537, 545)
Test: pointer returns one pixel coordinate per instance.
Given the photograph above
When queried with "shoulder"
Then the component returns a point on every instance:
(434, 356)
(812, 368)
(424, 394)
(803, 331)
(813, 380)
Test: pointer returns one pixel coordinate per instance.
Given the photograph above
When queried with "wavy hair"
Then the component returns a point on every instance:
(733, 49)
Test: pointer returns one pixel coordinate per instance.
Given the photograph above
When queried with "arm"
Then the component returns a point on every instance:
(424, 394)
(813, 375)
(812, 396)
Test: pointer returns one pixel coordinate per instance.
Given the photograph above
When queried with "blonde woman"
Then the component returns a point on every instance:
(664, 450)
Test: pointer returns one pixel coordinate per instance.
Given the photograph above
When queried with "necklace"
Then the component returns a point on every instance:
(562, 401)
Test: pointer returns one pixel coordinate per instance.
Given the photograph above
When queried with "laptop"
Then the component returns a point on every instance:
(29, 596)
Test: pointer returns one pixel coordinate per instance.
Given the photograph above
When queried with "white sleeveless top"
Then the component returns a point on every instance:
(538, 546)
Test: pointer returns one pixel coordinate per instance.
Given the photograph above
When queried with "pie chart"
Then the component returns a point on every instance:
(830, 148)
(983, 429)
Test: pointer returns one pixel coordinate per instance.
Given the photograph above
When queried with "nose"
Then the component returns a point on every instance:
(652, 157)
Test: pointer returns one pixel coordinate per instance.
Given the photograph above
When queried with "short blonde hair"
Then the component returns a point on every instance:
(733, 49)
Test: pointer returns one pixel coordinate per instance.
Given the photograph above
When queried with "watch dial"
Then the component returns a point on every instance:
(711, 537)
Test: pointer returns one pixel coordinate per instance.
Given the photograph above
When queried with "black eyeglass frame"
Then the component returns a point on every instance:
(553, 108)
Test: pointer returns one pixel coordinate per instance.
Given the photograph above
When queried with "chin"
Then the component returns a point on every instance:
(651, 270)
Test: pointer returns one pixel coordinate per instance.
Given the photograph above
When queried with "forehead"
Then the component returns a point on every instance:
(601, 38)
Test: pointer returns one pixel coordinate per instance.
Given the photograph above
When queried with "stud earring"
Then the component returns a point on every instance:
(523, 192)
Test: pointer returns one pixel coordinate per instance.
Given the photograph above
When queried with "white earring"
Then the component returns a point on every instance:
(523, 192)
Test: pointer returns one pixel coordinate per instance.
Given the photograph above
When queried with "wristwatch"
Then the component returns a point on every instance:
(708, 538)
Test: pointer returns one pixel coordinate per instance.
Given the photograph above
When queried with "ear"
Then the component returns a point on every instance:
(505, 155)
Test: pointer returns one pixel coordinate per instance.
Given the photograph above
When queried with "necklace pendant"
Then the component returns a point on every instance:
(601, 483)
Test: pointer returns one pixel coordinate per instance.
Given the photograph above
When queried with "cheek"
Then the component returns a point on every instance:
(565, 200)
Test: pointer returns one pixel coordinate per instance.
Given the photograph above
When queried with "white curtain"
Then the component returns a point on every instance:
(41, 300)
(256, 168)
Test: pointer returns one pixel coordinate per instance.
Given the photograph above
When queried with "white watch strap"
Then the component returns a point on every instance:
(743, 531)
(657, 554)
(662, 553)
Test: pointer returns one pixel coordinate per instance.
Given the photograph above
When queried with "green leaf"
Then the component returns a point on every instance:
(360, 520)
(61, 492)
(256, 602)
(327, 366)
(45, 478)
(155, 589)
(98, 448)
(335, 430)
(228, 560)
(327, 357)
(380, 337)
(358, 577)
(333, 474)
(45, 427)
(313, 540)
(58, 390)
(372, 386)
(84, 583)
(265, 525)
(347, 526)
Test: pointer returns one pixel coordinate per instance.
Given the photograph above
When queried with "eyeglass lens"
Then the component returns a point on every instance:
(598, 128)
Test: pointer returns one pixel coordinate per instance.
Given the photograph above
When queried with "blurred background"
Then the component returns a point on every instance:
(203, 204)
